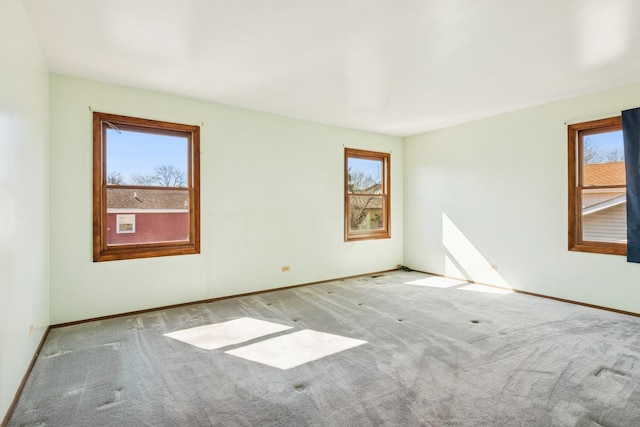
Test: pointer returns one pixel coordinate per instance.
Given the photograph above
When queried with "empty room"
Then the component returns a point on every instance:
(320, 213)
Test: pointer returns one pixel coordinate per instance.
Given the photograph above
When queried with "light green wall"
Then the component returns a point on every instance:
(494, 192)
(24, 230)
(271, 195)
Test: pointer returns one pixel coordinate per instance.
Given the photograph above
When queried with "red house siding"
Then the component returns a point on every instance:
(150, 227)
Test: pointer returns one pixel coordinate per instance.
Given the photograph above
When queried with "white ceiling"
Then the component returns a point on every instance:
(398, 67)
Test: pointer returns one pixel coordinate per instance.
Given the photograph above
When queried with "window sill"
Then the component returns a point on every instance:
(600, 248)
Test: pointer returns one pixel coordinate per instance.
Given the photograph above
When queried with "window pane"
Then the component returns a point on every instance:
(604, 215)
(139, 215)
(365, 176)
(366, 213)
(603, 156)
(151, 159)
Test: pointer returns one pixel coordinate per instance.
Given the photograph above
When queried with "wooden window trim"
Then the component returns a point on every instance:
(103, 252)
(575, 166)
(385, 233)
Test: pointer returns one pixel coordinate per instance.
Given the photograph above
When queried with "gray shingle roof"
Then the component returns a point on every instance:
(129, 198)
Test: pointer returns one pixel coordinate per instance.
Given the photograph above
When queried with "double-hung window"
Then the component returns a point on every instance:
(146, 188)
(597, 187)
(367, 195)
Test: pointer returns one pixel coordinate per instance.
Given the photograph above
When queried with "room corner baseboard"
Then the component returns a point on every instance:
(584, 304)
(5, 420)
(533, 294)
(205, 301)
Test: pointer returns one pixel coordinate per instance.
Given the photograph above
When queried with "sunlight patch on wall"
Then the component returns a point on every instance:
(451, 269)
(467, 258)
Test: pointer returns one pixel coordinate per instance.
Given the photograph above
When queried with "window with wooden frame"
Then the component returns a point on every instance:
(367, 195)
(146, 188)
(597, 187)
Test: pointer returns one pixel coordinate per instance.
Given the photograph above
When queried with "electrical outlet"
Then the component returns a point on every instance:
(285, 268)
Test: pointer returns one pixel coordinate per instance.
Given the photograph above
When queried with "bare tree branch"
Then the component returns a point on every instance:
(169, 176)
(592, 153)
(144, 179)
(164, 176)
(115, 178)
(365, 187)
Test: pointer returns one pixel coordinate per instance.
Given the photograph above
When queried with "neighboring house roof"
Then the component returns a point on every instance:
(607, 204)
(129, 198)
(373, 189)
(366, 202)
(604, 174)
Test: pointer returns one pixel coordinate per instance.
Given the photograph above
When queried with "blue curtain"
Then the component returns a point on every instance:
(631, 135)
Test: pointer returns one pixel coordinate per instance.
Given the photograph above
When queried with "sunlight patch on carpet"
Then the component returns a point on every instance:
(487, 289)
(436, 282)
(218, 335)
(295, 349)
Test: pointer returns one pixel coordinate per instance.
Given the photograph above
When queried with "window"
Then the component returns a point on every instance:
(597, 191)
(126, 223)
(366, 195)
(146, 188)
